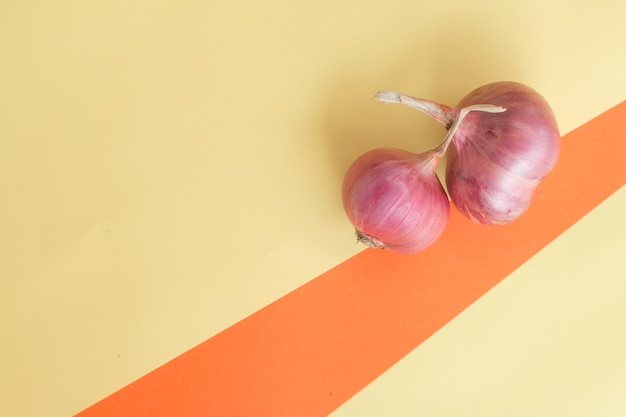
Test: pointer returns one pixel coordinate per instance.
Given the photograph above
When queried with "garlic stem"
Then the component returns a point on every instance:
(440, 112)
(448, 116)
(488, 108)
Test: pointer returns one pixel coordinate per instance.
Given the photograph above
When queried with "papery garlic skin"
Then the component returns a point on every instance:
(497, 160)
(395, 200)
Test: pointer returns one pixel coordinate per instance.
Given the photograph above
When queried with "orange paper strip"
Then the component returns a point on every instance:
(310, 351)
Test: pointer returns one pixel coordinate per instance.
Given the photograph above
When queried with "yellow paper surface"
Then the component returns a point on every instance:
(166, 169)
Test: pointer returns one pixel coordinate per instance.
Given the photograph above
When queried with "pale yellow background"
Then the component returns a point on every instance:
(168, 168)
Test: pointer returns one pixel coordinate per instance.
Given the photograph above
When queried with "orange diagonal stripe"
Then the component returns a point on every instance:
(310, 351)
